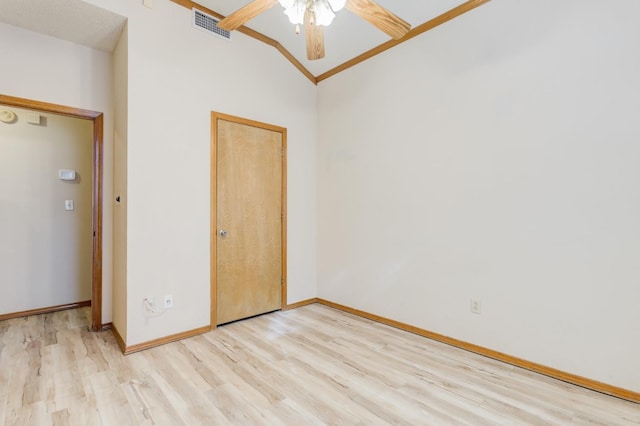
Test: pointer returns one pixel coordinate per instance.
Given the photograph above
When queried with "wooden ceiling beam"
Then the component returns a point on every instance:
(420, 29)
(189, 4)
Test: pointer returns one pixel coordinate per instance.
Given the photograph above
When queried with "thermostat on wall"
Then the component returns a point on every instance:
(67, 174)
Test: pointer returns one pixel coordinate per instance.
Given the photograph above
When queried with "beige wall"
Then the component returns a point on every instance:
(496, 157)
(177, 75)
(45, 250)
(43, 68)
(498, 162)
(170, 94)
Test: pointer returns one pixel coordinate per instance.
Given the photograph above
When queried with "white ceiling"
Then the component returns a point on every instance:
(72, 20)
(347, 37)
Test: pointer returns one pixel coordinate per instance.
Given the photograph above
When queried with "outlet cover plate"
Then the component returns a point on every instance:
(168, 301)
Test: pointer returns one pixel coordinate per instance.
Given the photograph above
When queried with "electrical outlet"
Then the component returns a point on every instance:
(476, 306)
(168, 301)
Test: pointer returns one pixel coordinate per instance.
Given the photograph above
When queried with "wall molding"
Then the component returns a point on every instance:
(499, 356)
(416, 31)
(119, 339)
(253, 34)
(554, 373)
(300, 304)
(46, 310)
(126, 350)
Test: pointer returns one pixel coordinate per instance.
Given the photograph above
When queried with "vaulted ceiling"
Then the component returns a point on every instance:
(346, 38)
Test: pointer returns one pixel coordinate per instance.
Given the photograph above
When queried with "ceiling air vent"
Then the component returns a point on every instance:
(209, 24)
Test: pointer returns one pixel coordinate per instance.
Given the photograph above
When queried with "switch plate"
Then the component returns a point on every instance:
(476, 306)
(69, 205)
(148, 3)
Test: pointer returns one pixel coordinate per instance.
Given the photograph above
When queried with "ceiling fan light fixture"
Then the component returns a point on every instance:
(323, 13)
(315, 14)
(337, 5)
(323, 10)
(295, 11)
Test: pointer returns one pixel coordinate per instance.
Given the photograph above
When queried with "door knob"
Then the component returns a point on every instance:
(223, 233)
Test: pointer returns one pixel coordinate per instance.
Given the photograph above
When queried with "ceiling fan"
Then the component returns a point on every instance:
(314, 14)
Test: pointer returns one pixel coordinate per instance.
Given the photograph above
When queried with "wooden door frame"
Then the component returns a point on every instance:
(98, 141)
(215, 116)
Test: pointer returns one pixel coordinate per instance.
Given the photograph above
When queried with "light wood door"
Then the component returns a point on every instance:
(249, 219)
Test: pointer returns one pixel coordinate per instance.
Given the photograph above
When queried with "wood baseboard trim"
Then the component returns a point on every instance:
(163, 340)
(45, 310)
(119, 339)
(300, 304)
(490, 353)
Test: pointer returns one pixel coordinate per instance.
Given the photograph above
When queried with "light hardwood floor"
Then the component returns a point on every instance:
(312, 365)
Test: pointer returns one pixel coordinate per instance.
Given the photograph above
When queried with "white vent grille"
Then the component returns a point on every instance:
(209, 24)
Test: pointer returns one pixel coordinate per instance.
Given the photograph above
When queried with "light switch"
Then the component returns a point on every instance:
(68, 205)
(148, 3)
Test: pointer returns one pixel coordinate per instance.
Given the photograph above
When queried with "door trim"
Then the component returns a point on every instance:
(215, 116)
(98, 141)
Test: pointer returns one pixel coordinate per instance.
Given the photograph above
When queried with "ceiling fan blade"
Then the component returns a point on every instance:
(315, 37)
(245, 13)
(380, 17)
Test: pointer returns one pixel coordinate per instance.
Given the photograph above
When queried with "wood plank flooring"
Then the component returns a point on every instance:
(312, 365)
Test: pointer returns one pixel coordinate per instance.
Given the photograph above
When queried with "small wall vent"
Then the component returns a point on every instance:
(209, 24)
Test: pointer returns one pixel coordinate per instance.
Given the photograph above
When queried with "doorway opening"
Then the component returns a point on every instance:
(96, 197)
